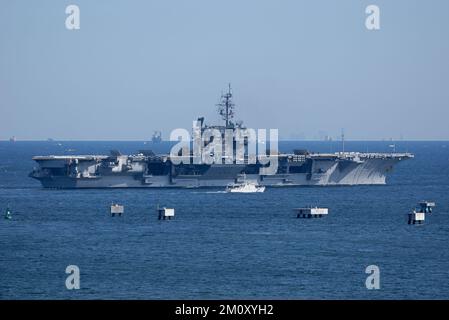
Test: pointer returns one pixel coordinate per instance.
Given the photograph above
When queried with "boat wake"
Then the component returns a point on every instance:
(212, 192)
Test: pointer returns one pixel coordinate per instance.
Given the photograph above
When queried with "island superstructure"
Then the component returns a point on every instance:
(148, 170)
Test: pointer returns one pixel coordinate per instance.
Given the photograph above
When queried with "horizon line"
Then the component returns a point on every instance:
(289, 139)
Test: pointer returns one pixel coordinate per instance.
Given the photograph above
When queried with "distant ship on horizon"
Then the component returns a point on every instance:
(157, 136)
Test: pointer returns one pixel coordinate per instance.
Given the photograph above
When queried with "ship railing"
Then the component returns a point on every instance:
(375, 155)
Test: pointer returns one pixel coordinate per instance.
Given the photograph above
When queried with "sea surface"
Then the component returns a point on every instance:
(236, 246)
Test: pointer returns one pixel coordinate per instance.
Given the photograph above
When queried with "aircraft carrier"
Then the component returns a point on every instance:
(148, 170)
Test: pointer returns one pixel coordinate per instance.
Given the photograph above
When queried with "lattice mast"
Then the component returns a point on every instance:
(226, 108)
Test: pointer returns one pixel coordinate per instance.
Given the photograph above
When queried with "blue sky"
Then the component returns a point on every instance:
(308, 68)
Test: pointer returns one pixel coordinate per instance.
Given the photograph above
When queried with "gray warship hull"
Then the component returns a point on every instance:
(71, 172)
(147, 170)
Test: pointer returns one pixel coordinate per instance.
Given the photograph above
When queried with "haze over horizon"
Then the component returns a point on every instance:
(307, 68)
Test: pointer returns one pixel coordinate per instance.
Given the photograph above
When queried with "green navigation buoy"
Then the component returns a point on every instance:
(8, 214)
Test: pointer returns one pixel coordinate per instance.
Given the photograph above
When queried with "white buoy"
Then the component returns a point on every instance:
(311, 212)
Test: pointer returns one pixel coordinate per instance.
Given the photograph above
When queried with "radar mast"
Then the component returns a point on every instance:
(226, 108)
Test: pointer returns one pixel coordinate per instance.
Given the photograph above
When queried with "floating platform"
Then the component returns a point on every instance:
(426, 206)
(416, 217)
(117, 209)
(165, 213)
(311, 212)
(8, 214)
